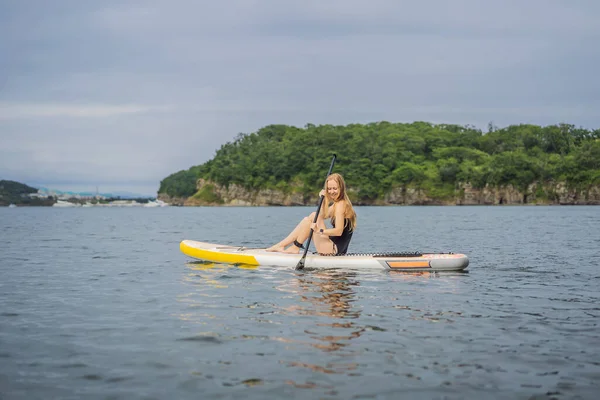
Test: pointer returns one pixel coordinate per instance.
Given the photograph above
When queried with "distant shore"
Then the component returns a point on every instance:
(85, 204)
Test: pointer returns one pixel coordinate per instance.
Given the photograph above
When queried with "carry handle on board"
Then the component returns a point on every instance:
(301, 262)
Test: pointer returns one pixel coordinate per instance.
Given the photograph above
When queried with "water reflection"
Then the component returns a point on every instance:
(330, 293)
(208, 265)
(200, 303)
(329, 296)
(312, 322)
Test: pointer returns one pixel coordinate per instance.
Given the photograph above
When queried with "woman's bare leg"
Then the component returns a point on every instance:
(323, 244)
(300, 234)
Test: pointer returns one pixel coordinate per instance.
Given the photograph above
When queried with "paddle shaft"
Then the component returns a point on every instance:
(301, 262)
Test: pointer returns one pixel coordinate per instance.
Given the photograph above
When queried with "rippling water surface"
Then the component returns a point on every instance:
(100, 303)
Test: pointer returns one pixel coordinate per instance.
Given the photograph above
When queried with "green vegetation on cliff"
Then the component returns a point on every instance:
(376, 157)
(12, 192)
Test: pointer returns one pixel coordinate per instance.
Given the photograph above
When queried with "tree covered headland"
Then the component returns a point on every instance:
(12, 192)
(378, 157)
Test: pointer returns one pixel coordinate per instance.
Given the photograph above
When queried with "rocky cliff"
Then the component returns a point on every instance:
(210, 194)
(555, 194)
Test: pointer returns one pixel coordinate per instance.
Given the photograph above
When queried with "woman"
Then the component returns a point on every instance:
(327, 240)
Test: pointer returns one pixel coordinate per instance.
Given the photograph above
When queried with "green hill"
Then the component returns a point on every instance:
(378, 157)
(12, 192)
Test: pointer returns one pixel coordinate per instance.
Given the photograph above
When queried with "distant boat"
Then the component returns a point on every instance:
(12, 206)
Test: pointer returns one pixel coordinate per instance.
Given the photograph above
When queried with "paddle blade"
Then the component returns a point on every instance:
(300, 264)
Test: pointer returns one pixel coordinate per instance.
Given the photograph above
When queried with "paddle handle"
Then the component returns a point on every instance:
(301, 262)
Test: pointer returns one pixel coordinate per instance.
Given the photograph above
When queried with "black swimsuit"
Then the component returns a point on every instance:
(341, 242)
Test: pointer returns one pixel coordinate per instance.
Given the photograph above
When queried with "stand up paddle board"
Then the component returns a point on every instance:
(401, 261)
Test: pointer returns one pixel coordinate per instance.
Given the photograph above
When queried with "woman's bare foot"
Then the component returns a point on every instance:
(293, 249)
(276, 248)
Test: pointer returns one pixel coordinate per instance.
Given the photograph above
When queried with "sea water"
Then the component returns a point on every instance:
(99, 303)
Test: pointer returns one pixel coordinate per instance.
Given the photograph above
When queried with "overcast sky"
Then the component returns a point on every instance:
(120, 94)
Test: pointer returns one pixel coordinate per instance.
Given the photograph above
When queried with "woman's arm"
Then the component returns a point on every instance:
(339, 209)
(325, 211)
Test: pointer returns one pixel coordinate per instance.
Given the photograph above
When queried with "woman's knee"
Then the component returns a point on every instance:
(310, 218)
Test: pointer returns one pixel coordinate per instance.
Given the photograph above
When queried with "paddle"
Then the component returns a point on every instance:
(301, 262)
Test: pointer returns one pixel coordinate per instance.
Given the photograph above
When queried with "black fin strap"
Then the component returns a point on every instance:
(298, 244)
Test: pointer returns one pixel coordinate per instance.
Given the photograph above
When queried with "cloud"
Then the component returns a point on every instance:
(130, 91)
(21, 111)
